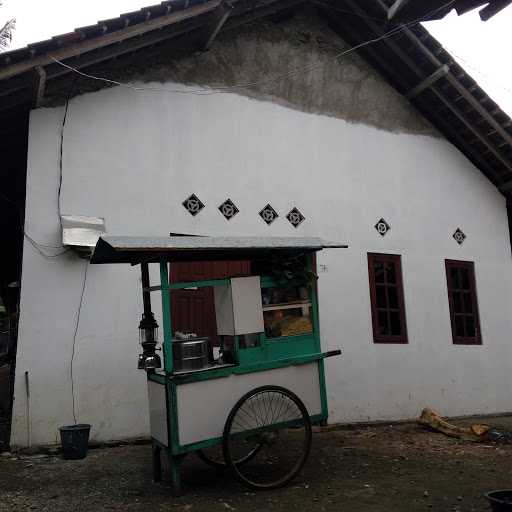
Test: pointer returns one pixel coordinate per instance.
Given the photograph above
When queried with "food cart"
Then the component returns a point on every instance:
(247, 404)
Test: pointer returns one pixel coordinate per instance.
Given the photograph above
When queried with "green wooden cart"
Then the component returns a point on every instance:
(250, 408)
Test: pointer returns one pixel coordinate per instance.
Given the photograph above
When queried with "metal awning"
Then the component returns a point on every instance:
(134, 249)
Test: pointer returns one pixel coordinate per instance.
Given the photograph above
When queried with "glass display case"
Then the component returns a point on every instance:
(286, 311)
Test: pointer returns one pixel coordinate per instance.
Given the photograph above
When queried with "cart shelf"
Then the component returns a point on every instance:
(287, 305)
(220, 371)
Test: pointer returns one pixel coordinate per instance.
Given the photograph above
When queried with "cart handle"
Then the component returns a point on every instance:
(323, 355)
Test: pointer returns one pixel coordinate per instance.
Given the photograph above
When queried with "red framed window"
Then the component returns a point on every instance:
(460, 278)
(387, 298)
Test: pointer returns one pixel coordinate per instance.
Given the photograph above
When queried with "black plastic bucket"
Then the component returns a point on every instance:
(501, 501)
(74, 440)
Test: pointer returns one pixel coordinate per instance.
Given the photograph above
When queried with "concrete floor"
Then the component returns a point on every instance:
(388, 469)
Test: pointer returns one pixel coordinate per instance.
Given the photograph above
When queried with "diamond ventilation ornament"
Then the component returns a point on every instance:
(382, 227)
(295, 217)
(268, 214)
(193, 204)
(459, 236)
(228, 209)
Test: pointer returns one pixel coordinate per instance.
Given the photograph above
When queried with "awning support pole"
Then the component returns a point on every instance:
(146, 296)
(166, 316)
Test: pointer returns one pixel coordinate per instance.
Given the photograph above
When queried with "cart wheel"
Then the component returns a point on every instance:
(276, 420)
(215, 457)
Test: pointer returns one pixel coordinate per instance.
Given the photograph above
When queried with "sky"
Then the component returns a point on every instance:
(479, 47)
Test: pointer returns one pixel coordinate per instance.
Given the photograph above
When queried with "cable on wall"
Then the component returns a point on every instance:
(37, 245)
(77, 325)
(64, 119)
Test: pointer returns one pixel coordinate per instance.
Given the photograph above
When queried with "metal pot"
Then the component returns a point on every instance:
(190, 354)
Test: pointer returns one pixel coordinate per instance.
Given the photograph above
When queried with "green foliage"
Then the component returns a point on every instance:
(6, 33)
(287, 271)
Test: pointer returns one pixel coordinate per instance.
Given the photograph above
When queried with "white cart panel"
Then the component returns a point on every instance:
(203, 406)
(157, 411)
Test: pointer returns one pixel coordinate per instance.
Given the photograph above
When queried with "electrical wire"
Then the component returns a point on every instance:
(478, 71)
(37, 245)
(216, 90)
(230, 88)
(77, 324)
(64, 118)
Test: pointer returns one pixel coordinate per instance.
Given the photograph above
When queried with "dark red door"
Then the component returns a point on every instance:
(193, 310)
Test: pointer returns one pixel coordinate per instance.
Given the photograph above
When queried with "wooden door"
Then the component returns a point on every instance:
(193, 310)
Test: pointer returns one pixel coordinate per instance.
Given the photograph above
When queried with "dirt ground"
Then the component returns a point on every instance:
(391, 468)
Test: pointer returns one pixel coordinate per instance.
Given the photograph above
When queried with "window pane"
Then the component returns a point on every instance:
(470, 326)
(383, 322)
(394, 317)
(459, 326)
(378, 267)
(468, 304)
(390, 272)
(454, 278)
(381, 296)
(463, 302)
(457, 302)
(464, 272)
(386, 294)
(393, 297)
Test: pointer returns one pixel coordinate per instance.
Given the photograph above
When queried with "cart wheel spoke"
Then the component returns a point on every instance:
(214, 456)
(276, 421)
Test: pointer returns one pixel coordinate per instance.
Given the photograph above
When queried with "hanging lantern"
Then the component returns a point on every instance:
(148, 338)
(148, 329)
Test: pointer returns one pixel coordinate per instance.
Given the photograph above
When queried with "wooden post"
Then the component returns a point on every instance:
(39, 86)
(428, 82)
(219, 17)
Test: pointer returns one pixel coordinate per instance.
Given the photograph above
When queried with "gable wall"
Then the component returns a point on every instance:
(299, 62)
(133, 157)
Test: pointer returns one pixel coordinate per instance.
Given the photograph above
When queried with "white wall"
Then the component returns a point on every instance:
(133, 157)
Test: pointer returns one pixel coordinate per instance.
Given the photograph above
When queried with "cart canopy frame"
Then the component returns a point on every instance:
(135, 249)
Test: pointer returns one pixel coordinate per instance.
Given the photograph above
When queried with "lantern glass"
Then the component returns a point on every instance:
(148, 335)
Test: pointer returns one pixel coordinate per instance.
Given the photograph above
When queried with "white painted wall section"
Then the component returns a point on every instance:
(133, 157)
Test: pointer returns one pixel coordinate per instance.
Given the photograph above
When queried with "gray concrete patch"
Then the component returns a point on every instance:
(303, 49)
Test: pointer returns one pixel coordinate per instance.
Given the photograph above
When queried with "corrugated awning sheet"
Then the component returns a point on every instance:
(126, 249)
